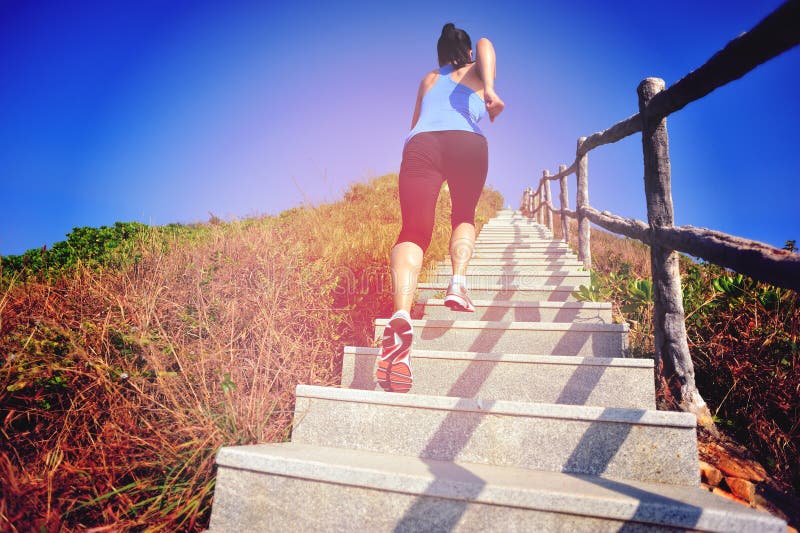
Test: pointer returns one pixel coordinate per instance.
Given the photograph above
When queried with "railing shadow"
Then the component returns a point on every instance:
(594, 452)
(581, 384)
(452, 427)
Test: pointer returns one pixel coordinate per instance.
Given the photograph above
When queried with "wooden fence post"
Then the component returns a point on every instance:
(531, 205)
(523, 206)
(672, 358)
(530, 202)
(564, 197)
(548, 198)
(542, 200)
(581, 173)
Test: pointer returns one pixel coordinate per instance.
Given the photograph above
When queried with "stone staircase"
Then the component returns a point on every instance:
(524, 416)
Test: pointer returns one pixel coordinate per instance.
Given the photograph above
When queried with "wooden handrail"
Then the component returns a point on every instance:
(617, 132)
(777, 33)
(563, 173)
(755, 259)
(774, 35)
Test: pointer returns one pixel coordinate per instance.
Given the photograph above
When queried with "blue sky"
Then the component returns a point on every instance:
(166, 111)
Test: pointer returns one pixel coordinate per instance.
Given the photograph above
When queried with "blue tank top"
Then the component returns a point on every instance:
(449, 106)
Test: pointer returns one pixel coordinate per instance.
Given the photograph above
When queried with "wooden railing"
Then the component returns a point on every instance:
(777, 33)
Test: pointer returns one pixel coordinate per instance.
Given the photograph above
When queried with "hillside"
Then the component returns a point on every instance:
(132, 353)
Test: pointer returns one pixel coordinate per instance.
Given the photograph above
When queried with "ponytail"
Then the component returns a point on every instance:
(453, 46)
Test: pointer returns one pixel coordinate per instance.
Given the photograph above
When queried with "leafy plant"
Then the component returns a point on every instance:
(595, 292)
(638, 295)
(735, 286)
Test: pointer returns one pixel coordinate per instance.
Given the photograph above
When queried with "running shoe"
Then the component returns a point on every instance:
(457, 298)
(394, 366)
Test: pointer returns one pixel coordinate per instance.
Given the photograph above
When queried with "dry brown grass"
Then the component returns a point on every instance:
(118, 387)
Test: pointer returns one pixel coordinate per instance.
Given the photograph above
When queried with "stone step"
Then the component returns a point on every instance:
(512, 219)
(515, 219)
(518, 222)
(507, 259)
(505, 292)
(529, 254)
(514, 228)
(542, 338)
(510, 311)
(498, 241)
(505, 263)
(527, 251)
(521, 246)
(605, 382)
(293, 487)
(515, 236)
(476, 280)
(604, 441)
(539, 266)
(514, 233)
(549, 250)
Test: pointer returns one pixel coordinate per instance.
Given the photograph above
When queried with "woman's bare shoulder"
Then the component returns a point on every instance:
(431, 76)
(428, 81)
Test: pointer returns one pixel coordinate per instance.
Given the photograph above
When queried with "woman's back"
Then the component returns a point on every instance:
(451, 101)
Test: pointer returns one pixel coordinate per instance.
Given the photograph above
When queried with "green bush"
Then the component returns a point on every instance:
(112, 246)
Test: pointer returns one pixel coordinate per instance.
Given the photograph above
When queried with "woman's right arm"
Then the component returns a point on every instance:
(426, 83)
(487, 68)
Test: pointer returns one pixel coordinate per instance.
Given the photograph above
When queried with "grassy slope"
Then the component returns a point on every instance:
(120, 380)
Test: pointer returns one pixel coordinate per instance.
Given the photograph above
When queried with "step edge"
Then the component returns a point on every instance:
(507, 288)
(512, 325)
(565, 360)
(617, 415)
(533, 274)
(525, 304)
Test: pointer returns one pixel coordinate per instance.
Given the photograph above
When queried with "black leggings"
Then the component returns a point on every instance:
(459, 157)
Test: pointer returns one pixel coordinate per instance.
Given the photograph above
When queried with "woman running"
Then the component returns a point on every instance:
(445, 144)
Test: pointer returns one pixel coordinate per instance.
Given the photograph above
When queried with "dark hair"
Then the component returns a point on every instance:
(453, 46)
